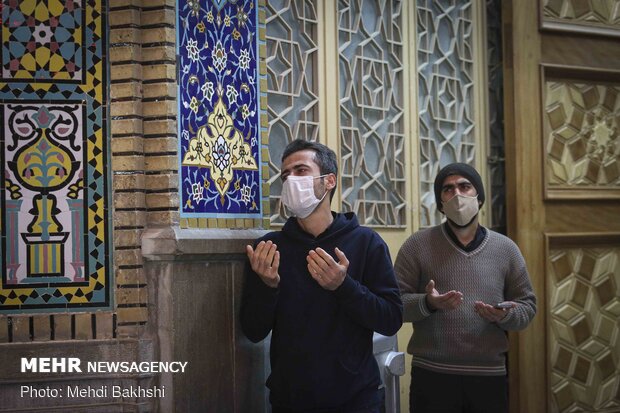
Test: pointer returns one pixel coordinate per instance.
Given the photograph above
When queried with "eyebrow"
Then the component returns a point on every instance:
(294, 167)
(459, 182)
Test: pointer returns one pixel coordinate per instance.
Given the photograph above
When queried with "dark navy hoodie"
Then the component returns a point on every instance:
(321, 346)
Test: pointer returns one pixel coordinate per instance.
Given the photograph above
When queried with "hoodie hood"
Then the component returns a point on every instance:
(342, 224)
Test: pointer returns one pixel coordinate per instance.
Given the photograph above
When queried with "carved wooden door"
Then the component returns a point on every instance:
(562, 71)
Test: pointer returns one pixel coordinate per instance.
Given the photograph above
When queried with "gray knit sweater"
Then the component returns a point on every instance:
(459, 341)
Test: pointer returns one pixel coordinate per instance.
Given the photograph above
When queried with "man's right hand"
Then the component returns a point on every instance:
(265, 261)
(447, 301)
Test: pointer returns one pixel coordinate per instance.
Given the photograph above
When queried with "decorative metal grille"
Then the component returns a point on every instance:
(446, 104)
(371, 111)
(496, 116)
(293, 97)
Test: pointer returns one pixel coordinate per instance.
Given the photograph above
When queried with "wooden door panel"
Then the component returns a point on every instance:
(562, 102)
(579, 135)
(583, 338)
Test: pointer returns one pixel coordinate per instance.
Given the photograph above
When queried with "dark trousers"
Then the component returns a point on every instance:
(451, 393)
(366, 402)
(376, 409)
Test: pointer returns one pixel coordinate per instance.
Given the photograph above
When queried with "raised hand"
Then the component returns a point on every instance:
(325, 270)
(265, 261)
(447, 301)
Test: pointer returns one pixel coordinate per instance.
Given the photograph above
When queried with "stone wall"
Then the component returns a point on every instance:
(196, 279)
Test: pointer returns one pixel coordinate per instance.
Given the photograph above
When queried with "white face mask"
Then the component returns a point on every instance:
(298, 195)
(461, 209)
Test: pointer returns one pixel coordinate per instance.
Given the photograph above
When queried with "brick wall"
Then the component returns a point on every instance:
(144, 145)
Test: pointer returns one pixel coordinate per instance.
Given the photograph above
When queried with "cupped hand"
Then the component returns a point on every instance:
(325, 270)
(265, 261)
(446, 301)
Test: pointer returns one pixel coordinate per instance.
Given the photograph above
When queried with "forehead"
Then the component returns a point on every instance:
(455, 179)
(304, 157)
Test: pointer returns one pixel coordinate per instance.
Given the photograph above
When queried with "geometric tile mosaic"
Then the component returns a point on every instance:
(219, 109)
(42, 40)
(584, 334)
(53, 150)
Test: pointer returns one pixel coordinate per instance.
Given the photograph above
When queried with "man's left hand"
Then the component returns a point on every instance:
(490, 313)
(325, 270)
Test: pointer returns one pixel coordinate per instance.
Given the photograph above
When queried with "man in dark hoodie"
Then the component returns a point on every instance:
(322, 285)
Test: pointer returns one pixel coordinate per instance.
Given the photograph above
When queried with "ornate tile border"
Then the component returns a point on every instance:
(53, 151)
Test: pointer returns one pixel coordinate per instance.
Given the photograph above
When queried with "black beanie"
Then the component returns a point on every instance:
(465, 171)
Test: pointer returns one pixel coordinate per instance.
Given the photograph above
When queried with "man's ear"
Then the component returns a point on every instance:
(330, 181)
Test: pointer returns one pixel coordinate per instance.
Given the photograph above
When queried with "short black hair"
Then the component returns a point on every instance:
(324, 157)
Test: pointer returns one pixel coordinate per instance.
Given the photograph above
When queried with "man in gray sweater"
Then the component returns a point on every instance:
(463, 287)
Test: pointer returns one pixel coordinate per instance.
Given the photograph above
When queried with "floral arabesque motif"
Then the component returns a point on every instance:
(219, 57)
(242, 16)
(197, 190)
(246, 194)
(220, 147)
(221, 153)
(231, 93)
(194, 6)
(193, 104)
(244, 60)
(192, 50)
(207, 90)
(219, 111)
